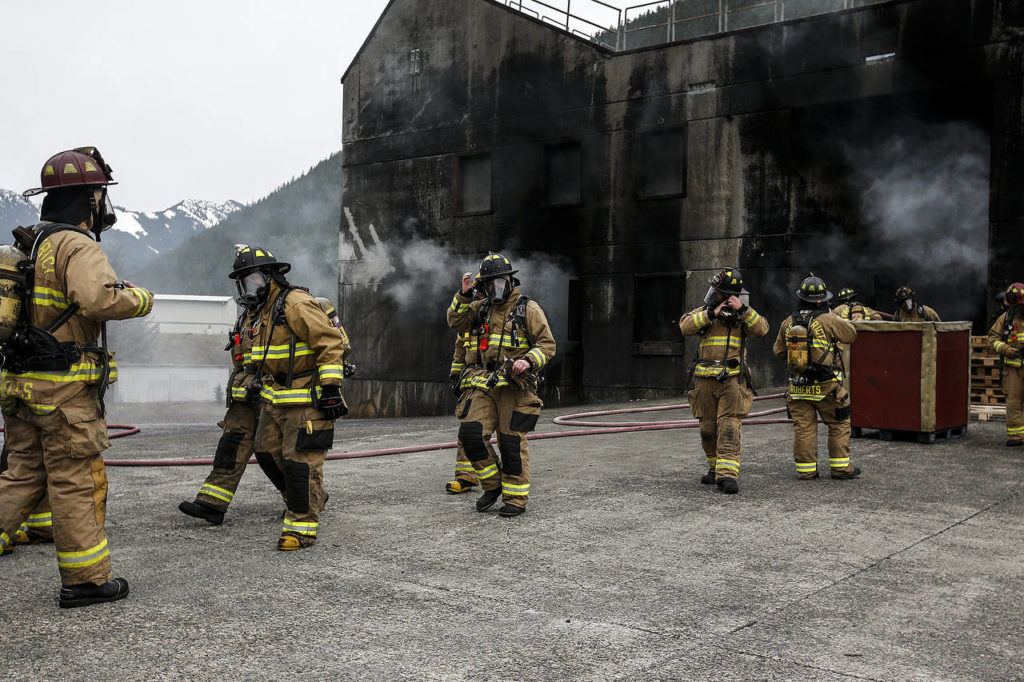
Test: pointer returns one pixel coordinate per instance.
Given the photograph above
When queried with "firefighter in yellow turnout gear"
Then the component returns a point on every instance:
(55, 375)
(297, 353)
(38, 527)
(723, 395)
(909, 310)
(808, 340)
(1007, 339)
(850, 309)
(239, 425)
(510, 341)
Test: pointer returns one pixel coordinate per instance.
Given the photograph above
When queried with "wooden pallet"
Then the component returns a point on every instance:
(923, 437)
(985, 413)
(985, 376)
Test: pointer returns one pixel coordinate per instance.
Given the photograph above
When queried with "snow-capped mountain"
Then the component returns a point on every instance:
(137, 236)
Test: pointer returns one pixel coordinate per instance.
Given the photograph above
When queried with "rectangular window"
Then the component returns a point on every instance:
(574, 327)
(657, 306)
(662, 171)
(473, 184)
(562, 174)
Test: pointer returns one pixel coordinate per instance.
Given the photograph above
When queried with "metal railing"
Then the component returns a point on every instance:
(665, 21)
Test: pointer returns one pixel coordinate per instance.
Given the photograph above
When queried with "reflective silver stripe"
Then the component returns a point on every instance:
(86, 558)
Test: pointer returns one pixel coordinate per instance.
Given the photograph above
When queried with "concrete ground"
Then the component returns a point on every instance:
(625, 567)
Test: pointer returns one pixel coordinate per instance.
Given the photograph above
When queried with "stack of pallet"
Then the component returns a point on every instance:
(987, 398)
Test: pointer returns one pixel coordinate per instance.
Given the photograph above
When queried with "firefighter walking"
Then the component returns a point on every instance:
(38, 527)
(1007, 339)
(722, 395)
(239, 427)
(809, 342)
(55, 375)
(297, 353)
(510, 341)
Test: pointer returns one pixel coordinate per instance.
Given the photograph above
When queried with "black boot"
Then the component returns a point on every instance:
(487, 500)
(845, 475)
(73, 596)
(729, 486)
(1013, 442)
(708, 478)
(510, 510)
(201, 510)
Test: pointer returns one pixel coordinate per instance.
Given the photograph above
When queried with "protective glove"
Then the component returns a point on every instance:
(331, 403)
(455, 381)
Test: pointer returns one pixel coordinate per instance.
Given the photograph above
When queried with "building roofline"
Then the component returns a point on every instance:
(192, 297)
(497, 3)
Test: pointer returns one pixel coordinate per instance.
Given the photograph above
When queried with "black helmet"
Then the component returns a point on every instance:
(253, 258)
(846, 295)
(814, 290)
(903, 293)
(728, 281)
(495, 265)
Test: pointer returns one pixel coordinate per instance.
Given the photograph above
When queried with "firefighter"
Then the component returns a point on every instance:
(1007, 339)
(297, 353)
(38, 527)
(850, 309)
(239, 425)
(909, 310)
(465, 476)
(55, 375)
(510, 341)
(722, 395)
(809, 342)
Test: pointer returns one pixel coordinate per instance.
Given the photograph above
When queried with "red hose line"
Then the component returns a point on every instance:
(128, 430)
(619, 427)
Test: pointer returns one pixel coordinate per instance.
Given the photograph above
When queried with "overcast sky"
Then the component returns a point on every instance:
(214, 99)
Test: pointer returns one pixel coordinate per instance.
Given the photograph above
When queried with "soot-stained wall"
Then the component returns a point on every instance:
(876, 147)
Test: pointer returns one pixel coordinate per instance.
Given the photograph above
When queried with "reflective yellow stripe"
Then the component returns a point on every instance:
(457, 304)
(700, 320)
(331, 372)
(752, 318)
(287, 396)
(1014, 430)
(457, 368)
(839, 462)
(88, 557)
(49, 297)
(238, 392)
(463, 466)
(481, 382)
(1013, 362)
(507, 342)
(39, 409)
(5, 540)
(487, 472)
(713, 370)
(734, 341)
(729, 464)
(260, 353)
(300, 527)
(39, 520)
(215, 492)
(806, 467)
(515, 490)
(80, 371)
(538, 357)
(143, 306)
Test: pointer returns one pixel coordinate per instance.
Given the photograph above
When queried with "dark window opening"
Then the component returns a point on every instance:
(662, 164)
(473, 184)
(574, 327)
(658, 302)
(562, 174)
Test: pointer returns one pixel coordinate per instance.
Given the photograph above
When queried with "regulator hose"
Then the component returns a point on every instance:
(596, 429)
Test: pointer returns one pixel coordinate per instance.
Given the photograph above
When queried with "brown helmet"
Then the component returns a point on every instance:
(1014, 294)
(81, 167)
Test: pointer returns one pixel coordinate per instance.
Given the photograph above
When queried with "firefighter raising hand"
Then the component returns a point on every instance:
(467, 282)
(733, 302)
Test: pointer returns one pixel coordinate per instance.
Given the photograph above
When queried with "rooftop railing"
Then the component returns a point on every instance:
(666, 21)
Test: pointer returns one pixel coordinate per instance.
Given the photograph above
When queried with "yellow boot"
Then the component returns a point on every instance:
(459, 485)
(292, 541)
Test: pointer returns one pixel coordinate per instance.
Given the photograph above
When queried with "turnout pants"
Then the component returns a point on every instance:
(58, 454)
(720, 408)
(513, 413)
(291, 443)
(834, 410)
(231, 456)
(464, 468)
(1013, 388)
(40, 521)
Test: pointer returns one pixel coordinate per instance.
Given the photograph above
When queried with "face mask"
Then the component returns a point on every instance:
(497, 290)
(252, 289)
(713, 297)
(908, 304)
(103, 216)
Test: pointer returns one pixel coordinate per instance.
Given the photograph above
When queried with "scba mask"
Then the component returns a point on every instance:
(713, 297)
(103, 215)
(908, 304)
(252, 289)
(498, 290)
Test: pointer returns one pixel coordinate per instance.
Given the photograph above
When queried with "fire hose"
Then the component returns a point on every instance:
(596, 429)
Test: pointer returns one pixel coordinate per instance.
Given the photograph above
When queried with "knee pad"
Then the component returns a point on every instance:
(708, 430)
(227, 450)
(471, 435)
(511, 459)
(296, 476)
(269, 467)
